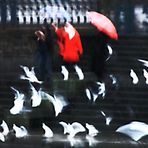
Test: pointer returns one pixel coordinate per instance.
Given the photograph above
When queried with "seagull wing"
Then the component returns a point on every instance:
(78, 127)
(135, 130)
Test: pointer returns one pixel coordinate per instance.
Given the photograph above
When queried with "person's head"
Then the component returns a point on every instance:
(40, 35)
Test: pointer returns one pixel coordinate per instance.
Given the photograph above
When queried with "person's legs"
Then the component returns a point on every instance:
(48, 65)
(40, 66)
(99, 56)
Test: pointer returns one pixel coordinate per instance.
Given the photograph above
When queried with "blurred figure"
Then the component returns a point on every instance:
(99, 55)
(70, 47)
(44, 53)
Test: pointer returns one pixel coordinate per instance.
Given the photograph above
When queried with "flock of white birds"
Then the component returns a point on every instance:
(136, 130)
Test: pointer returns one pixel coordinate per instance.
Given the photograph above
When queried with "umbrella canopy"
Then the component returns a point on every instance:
(103, 24)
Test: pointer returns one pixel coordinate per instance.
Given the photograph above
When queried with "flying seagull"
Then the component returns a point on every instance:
(134, 77)
(5, 128)
(30, 75)
(20, 132)
(18, 102)
(48, 132)
(65, 72)
(145, 74)
(136, 130)
(79, 72)
(36, 96)
(72, 129)
(92, 131)
(5, 131)
(144, 62)
(108, 119)
(58, 102)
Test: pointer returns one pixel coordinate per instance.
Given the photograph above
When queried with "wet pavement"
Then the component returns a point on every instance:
(102, 140)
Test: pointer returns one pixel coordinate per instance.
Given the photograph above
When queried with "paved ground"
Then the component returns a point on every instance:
(102, 140)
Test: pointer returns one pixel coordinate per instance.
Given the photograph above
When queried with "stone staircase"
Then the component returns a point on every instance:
(123, 101)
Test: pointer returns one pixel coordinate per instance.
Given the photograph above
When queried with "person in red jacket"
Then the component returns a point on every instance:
(70, 47)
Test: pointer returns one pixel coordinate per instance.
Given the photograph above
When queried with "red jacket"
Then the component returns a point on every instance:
(70, 49)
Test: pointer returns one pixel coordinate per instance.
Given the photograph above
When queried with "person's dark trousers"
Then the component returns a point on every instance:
(43, 66)
(99, 56)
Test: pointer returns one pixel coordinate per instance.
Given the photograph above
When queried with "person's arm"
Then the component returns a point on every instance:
(79, 44)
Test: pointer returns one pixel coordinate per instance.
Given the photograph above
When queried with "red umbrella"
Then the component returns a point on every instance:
(103, 24)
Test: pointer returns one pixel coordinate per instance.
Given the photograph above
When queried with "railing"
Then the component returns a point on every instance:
(129, 16)
(40, 11)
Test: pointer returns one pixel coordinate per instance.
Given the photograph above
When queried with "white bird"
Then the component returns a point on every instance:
(94, 96)
(101, 89)
(108, 119)
(5, 131)
(58, 102)
(136, 130)
(114, 80)
(134, 76)
(91, 95)
(5, 128)
(36, 96)
(92, 131)
(30, 75)
(20, 132)
(72, 129)
(48, 132)
(65, 72)
(18, 102)
(88, 93)
(145, 74)
(110, 50)
(145, 62)
(2, 137)
(79, 72)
